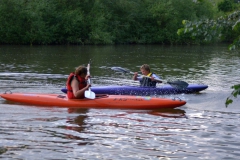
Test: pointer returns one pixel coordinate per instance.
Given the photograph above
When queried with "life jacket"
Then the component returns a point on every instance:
(147, 82)
(81, 84)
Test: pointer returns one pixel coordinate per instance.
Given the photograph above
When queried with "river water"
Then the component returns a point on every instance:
(202, 129)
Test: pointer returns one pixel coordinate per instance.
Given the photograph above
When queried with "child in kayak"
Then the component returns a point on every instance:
(148, 79)
(77, 83)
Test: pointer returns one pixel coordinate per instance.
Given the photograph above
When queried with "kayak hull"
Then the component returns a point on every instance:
(101, 101)
(144, 91)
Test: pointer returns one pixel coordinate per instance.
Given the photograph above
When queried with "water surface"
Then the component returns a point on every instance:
(202, 129)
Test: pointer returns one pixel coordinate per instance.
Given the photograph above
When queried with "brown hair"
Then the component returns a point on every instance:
(145, 67)
(81, 70)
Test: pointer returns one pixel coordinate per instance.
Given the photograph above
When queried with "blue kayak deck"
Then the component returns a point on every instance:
(135, 90)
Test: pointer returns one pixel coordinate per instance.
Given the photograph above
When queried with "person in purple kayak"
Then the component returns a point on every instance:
(147, 79)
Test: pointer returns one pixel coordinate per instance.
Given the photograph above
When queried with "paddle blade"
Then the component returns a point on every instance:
(89, 94)
(178, 84)
(120, 69)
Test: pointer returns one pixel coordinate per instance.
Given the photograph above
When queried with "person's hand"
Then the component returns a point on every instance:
(87, 76)
(87, 87)
(136, 74)
(152, 78)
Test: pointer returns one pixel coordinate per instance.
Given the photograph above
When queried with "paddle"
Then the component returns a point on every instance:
(89, 94)
(175, 84)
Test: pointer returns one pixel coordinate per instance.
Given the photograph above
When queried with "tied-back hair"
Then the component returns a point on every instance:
(81, 70)
(145, 67)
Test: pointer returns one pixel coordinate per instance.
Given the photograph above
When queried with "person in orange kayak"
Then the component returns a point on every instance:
(77, 83)
(148, 79)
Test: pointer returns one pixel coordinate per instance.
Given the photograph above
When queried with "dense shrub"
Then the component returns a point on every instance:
(97, 21)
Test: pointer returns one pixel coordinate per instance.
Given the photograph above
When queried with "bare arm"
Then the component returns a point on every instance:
(156, 78)
(135, 76)
(78, 93)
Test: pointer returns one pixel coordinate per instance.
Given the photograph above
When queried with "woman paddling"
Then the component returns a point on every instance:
(77, 83)
(148, 79)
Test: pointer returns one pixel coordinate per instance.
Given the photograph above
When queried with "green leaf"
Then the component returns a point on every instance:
(228, 101)
(184, 22)
(236, 87)
(180, 31)
(231, 47)
(234, 93)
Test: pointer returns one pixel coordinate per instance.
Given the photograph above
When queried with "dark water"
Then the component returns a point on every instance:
(202, 129)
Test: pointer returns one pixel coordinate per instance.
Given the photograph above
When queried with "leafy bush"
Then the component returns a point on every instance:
(225, 6)
(225, 28)
(97, 22)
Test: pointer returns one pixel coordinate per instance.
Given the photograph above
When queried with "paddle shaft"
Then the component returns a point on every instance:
(88, 72)
(127, 71)
(89, 94)
(157, 79)
(176, 84)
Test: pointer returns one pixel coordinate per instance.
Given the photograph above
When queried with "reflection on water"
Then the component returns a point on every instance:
(168, 112)
(88, 133)
(173, 113)
(201, 129)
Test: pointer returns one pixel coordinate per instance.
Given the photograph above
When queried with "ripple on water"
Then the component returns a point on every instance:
(202, 129)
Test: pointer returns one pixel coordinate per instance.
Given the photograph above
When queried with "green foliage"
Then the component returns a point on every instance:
(10, 30)
(225, 6)
(235, 93)
(39, 22)
(236, 29)
(97, 21)
(224, 28)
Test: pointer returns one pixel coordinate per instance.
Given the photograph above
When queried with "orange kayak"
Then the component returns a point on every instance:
(101, 101)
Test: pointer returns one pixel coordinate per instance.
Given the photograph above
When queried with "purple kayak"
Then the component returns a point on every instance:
(144, 91)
